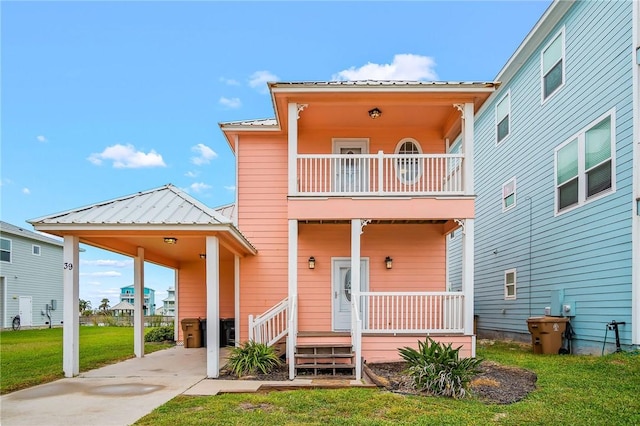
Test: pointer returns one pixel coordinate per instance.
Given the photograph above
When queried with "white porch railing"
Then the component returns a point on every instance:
(379, 174)
(412, 312)
(270, 326)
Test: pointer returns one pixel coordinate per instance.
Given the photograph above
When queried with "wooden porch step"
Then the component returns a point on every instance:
(325, 358)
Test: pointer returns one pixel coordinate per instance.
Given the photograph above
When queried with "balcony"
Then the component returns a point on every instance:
(379, 175)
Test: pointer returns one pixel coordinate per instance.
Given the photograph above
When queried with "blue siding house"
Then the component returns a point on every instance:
(149, 302)
(558, 180)
(30, 278)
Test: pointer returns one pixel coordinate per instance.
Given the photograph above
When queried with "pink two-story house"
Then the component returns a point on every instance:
(336, 243)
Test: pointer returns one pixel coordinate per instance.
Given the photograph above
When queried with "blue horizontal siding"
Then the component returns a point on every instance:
(585, 251)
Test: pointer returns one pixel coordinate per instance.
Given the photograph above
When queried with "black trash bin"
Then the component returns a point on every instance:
(227, 332)
(203, 331)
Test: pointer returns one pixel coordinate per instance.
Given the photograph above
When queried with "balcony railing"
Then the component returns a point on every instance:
(412, 312)
(379, 174)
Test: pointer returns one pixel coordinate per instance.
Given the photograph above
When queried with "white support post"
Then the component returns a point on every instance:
(292, 294)
(380, 172)
(213, 306)
(236, 296)
(467, 147)
(176, 311)
(71, 326)
(138, 302)
(468, 275)
(292, 143)
(356, 230)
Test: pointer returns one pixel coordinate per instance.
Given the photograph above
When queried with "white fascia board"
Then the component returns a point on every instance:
(483, 88)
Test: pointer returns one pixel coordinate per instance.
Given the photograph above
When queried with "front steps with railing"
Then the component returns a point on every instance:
(326, 359)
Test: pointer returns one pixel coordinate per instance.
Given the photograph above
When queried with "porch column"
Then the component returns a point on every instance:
(292, 143)
(236, 297)
(138, 302)
(176, 314)
(468, 276)
(467, 147)
(356, 230)
(213, 307)
(71, 326)
(292, 295)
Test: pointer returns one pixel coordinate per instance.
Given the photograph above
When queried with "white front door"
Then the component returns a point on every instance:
(25, 311)
(342, 294)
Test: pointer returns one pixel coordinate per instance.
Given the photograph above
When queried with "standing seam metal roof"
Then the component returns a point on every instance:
(166, 205)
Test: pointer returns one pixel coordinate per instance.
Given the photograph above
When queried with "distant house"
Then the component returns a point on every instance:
(558, 180)
(30, 277)
(169, 303)
(149, 302)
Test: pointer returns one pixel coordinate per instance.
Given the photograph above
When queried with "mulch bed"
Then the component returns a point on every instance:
(495, 384)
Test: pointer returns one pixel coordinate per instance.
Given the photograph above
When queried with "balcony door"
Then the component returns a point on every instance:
(350, 172)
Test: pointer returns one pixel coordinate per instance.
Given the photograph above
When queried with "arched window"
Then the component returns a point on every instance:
(408, 170)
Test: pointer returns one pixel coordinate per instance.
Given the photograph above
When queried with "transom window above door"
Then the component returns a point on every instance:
(408, 170)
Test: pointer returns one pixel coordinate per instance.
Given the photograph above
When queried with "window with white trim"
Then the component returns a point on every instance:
(510, 284)
(409, 169)
(584, 165)
(552, 63)
(503, 118)
(509, 194)
(35, 250)
(5, 250)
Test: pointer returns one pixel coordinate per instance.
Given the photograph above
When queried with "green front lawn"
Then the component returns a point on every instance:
(572, 390)
(32, 357)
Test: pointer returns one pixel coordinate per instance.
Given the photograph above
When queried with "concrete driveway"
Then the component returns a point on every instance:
(117, 394)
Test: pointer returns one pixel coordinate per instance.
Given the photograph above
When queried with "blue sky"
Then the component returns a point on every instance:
(104, 99)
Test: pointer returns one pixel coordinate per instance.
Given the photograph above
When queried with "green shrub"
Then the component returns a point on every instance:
(251, 358)
(437, 370)
(159, 334)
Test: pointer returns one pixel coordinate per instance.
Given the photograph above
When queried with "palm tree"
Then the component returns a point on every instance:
(84, 305)
(104, 305)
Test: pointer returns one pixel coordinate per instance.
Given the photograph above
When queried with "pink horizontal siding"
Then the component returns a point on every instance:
(262, 217)
(385, 348)
(192, 291)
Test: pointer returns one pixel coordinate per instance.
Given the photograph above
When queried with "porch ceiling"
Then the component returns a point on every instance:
(379, 222)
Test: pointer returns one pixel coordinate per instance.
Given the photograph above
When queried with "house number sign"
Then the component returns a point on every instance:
(68, 265)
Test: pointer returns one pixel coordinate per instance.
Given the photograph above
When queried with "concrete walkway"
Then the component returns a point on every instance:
(121, 393)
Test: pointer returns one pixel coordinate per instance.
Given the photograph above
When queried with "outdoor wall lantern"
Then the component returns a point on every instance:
(203, 255)
(388, 262)
(375, 113)
(312, 262)
(170, 240)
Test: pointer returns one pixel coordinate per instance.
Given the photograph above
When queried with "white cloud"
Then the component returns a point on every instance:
(259, 79)
(229, 81)
(199, 187)
(404, 67)
(108, 274)
(205, 154)
(26, 191)
(231, 103)
(191, 174)
(41, 138)
(108, 262)
(126, 157)
(230, 188)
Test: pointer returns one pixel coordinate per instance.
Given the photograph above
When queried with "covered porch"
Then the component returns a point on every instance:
(164, 226)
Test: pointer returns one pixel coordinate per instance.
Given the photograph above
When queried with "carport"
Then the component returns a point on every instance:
(165, 226)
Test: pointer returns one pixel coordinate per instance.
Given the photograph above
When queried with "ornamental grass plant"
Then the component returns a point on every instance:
(251, 358)
(437, 369)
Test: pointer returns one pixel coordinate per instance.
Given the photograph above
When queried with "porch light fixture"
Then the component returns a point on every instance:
(203, 255)
(388, 262)
(170, 240)
(312, 262)
(375, 113)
